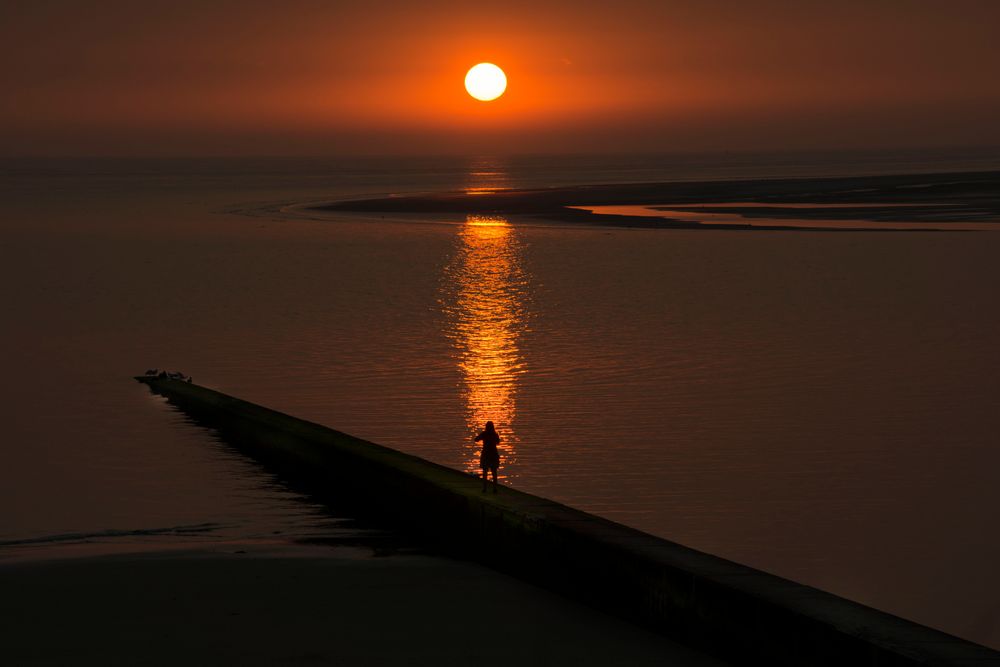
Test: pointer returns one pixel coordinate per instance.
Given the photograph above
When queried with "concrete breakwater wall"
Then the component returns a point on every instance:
(706, 602)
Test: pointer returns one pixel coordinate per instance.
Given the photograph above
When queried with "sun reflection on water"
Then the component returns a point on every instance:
(487, 176)
(485, 308)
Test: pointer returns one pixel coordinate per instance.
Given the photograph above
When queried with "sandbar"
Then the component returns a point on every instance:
(960, 201)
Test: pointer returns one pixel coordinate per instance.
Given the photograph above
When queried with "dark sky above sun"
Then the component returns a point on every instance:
(312, 77)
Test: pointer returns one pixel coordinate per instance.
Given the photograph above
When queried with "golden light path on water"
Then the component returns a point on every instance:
(487, 176)
(486, 288)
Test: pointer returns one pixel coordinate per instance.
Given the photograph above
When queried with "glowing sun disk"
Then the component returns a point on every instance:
(486, 82)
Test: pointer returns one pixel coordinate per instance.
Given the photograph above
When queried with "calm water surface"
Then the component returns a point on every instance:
(821, 406)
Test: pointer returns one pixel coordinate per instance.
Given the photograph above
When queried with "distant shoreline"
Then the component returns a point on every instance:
(925, 202)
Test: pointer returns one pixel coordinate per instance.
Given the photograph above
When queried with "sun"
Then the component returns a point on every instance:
(486, 82)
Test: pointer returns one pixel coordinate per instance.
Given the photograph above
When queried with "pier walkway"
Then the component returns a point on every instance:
(724, 608)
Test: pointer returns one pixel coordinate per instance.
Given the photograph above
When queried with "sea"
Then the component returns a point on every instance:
(822, 406)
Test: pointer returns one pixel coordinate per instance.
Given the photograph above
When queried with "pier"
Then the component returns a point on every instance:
(706, 602)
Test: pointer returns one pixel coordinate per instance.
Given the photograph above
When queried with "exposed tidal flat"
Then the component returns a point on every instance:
(820, 406)
(303, 608)
(910, 202)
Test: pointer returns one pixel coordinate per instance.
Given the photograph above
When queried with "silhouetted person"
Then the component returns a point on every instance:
(490, 457)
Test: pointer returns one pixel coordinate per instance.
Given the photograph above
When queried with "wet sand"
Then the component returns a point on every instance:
(303, 606)
(933, 200)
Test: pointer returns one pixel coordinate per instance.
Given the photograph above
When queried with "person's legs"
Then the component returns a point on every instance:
(484, 480)
(494, 471)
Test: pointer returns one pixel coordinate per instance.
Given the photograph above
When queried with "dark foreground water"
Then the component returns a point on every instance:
(822, 406)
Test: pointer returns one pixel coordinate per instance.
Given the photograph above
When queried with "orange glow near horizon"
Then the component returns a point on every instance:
(185, 77)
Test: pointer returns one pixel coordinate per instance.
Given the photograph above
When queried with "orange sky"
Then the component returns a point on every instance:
(312, 77)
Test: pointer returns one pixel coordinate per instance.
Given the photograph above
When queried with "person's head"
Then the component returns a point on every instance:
(489, 426)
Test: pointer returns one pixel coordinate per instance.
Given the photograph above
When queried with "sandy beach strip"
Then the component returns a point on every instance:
(914, 199)
(303, 606)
